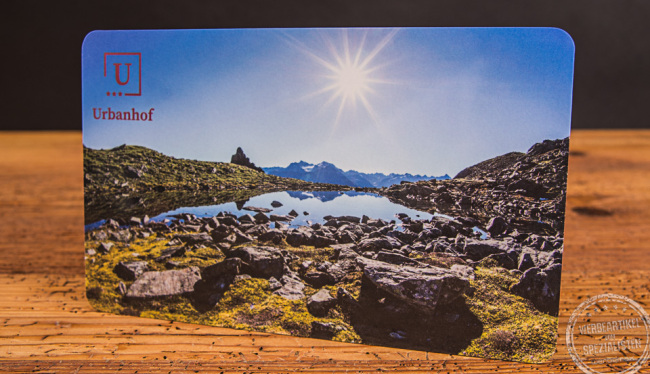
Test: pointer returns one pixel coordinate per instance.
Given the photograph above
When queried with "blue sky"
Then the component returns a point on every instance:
(419, 100)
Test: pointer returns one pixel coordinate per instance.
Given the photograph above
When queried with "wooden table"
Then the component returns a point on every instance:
(48, 326)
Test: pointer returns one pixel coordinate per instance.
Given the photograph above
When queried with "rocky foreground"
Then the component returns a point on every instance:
(438, 284)
(526, 190)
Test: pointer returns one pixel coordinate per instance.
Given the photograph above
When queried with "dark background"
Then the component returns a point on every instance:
(41, 44)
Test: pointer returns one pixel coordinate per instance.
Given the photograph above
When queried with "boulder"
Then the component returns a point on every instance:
(324, 330)
(240, 158)
(120, 235)
(131, 172)
(541, 287)
(298, 238)
(377, 244)
(165, 283)
(218, 277)
(497, 226)
(273, 235)
(199, 238)
(276, 204)
(320, 303)
(318, 279)
(421, 287)
(168, 253)
(257, 209)
(350, 219)
(227, 268)
(262, 262)
(241, 238)
(525, 261)
(395, 258)
(130, 270)
(246, 218)
(104, 247)
(281, 218)
(274, 284)
(321, 241)
(261, 218)
(477, 250)
(292, 287)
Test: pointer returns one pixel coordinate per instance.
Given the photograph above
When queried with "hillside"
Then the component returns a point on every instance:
(525, 189)
(130, 168)
(133, 181)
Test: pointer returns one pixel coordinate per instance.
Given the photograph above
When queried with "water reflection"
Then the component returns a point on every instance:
(311, 207)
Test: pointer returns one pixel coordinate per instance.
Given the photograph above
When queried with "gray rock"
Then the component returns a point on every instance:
(131, 172)
(477, 250)
(104, 247)
(318, 279)
(227, 268)
(345, 251)
(246, 218)
(241, 238)
(297, 238)
(165, 283)
(351, 219)
(422, 288)
(262, 262)
(274, 284)
(280, 218)
(320, 303)
(273, 235)
(169, 253)
(199, 238)
(377, 244)
(324, 330)
(241, 277)
(541, 287)
(321, 241)
(121, 235)
(464, 270)
(276, 204)
(507, 260)
(240, 158)
(340, 269)
(525, 260)
(257, 209)
(121, 288)
(292, 287)
(130, 270)
(395, 258)
(261, 218)
(497, 226)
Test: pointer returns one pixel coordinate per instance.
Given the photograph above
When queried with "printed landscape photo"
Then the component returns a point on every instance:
(394, 187)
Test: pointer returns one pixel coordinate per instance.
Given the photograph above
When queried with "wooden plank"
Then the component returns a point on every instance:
(48, 326)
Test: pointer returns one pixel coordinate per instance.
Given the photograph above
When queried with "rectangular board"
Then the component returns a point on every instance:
(395, 187)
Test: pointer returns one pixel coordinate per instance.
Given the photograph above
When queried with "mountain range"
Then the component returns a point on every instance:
(325, 172)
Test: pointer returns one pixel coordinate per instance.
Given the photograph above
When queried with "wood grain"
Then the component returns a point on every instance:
(48, 326)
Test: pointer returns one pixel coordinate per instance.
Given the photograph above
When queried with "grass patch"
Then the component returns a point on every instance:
(512, 328)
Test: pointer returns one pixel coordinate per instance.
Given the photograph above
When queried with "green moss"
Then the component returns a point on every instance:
(246, 291)
(347, 336)
(512, 328)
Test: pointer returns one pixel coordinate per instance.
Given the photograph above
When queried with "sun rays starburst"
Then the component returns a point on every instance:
(351, 73)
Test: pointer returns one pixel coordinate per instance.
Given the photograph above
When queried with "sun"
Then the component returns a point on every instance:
(351, 72)
(351, 82)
